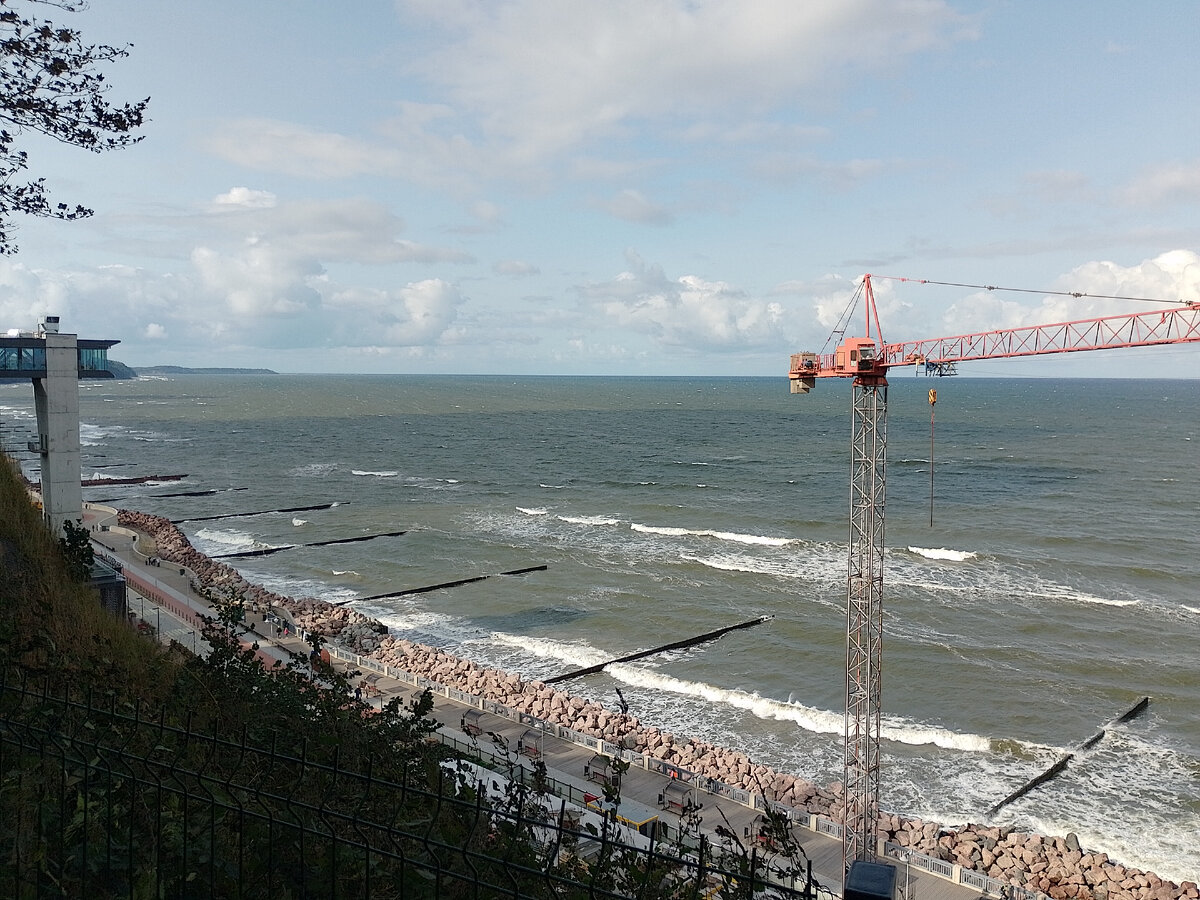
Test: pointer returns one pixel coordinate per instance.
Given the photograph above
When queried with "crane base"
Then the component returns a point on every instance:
(869, 881)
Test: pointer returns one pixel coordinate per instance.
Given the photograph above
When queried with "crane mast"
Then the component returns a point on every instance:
(864, 617)
(866, 361)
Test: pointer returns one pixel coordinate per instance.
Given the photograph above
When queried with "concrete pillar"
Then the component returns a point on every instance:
(57, 400)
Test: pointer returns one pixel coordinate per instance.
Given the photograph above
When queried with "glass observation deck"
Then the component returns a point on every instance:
(25, 357)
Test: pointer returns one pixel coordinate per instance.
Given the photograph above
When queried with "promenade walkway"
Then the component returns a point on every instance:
(162, 597)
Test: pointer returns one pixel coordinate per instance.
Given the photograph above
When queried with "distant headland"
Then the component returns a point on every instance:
(120, 370)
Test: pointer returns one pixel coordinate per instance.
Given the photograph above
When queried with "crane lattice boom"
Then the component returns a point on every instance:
(1178, 325)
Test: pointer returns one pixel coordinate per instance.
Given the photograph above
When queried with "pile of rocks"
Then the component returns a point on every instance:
(222, 583)
(1056, 866)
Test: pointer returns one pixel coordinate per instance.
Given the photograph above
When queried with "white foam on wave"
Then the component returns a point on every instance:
(227, 540)
(578, 655)
(314, 470)
(588, 520)
(91, 435)
(1051, 591)
(820, 565)
(987, 579)
(943, 553)
(720, 535)
(365, 472)
(343, 572)
(1160, 772)
(532, 510)
(809, 718)
(819, 721)
(298, 522)
(1192, 609)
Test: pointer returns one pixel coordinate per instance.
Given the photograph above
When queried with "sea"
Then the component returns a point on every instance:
(1041, 572)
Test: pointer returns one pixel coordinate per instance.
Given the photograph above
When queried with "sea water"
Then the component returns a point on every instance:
(1057, 584)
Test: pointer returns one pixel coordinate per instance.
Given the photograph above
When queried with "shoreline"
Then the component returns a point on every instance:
(1056, 866)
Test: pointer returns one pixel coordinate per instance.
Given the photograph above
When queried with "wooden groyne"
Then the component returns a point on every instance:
(140, 479)
(261, 512)
(267, 551)
(164, 496)
(438, 587)
(1061, 764)
(676, 645)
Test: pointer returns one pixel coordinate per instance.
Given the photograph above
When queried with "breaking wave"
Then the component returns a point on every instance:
(943, 553)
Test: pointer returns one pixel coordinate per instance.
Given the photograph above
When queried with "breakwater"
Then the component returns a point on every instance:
(1057, 866)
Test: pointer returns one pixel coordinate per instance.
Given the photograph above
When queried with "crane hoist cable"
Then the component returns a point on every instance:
(1076, 294)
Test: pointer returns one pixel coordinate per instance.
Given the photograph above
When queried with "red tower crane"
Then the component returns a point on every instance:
(866, 360)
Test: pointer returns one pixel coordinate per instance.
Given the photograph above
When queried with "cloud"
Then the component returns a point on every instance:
(543, 76)
(632, 206)
(515, 267)
(263, 275)
(1170, 276)
(1166, 184)
(261, 280)
(518, 88)
(272, 145)
(532, 91)
(688, 311)
(838, 175)
(417, 314)
(245, 197)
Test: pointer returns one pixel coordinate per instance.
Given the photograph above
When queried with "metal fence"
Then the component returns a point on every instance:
(99, 801)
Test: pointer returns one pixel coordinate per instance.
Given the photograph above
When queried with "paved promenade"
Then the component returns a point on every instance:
(173, 611)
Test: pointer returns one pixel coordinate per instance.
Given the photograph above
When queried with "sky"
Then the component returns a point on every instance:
(621, 187)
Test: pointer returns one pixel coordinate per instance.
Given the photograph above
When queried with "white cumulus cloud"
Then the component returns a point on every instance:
(688, 311)
(419, 313)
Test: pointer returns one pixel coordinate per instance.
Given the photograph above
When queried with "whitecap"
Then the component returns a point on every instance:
(314, 470)
(532, 511)
(818, 721)
(588, 520)
(943, 553)
(809, 718)
(670, 531)
(376, 474)
(228, 540)
(578, 655)
(299, 522)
